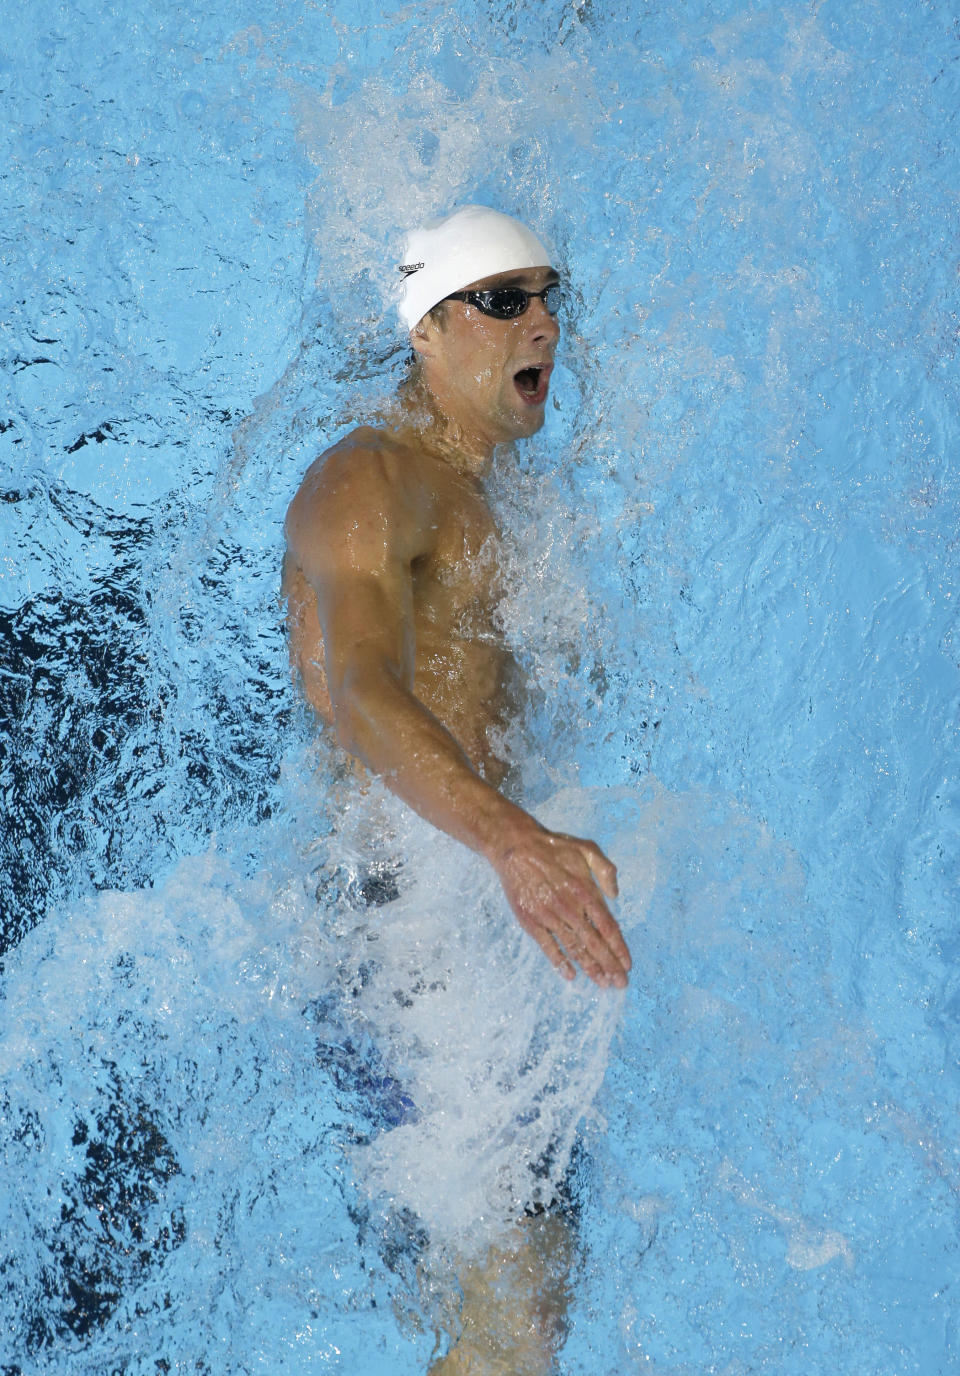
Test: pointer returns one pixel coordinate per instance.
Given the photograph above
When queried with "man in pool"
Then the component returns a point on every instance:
(391, 576)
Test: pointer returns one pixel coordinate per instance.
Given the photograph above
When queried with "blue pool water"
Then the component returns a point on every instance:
(734, 556)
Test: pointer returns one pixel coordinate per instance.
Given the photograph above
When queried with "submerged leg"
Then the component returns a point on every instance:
(514, 1307)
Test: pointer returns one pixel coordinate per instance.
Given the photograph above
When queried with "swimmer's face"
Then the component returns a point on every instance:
(493, 375)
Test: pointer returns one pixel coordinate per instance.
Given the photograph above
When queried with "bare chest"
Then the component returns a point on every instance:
(457, 586)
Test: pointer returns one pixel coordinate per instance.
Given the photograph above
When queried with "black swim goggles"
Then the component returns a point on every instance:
(506, 303)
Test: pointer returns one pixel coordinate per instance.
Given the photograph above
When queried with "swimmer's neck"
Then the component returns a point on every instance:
(421, 420)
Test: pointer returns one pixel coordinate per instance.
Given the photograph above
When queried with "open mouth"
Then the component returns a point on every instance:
(532, 384)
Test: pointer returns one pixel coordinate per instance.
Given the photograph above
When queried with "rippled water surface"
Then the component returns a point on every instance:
(733, 559)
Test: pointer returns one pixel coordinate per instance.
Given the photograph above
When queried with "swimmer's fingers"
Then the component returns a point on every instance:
(573, 910)
(609, 935)
(592, 937)
(562, 940)
(554, 953)
(564, 950)
(593, 925)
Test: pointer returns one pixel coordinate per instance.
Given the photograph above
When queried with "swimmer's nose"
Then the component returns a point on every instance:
(542, 325)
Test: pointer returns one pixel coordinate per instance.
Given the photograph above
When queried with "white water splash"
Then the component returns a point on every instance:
(492, 1061)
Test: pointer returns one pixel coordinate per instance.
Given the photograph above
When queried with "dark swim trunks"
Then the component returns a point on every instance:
(369, 886)
(379, 884)
(371, 1098)
(564, 1199)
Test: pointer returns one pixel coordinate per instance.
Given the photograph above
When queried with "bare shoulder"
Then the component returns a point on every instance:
(368, 488)
(366, 462)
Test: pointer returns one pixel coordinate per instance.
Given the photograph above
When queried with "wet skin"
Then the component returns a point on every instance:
(512, 1317)
(391, 576)
(459, 669)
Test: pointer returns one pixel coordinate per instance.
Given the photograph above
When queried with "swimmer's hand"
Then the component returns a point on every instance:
(556, 886)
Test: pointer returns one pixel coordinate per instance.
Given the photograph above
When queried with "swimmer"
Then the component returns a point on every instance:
(391, 576)
(392, 582)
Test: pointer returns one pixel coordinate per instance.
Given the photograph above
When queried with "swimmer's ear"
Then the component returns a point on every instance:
(426, 333)
(423, 338)
(420, 341)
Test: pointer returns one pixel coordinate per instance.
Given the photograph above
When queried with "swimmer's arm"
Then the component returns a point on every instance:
(361, 573)
(360, 570)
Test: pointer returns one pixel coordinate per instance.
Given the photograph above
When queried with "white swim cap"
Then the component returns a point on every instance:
(472, 243)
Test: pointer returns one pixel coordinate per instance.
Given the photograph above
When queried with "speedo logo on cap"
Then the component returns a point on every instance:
(408, 269)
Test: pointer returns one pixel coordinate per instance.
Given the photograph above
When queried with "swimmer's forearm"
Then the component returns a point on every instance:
(386, 727)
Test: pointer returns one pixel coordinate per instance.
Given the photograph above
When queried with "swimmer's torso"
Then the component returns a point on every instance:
(461, 670)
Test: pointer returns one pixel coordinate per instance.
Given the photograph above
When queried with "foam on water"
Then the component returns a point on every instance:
(499, 1064)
